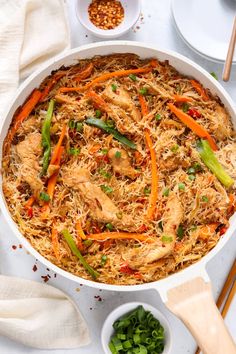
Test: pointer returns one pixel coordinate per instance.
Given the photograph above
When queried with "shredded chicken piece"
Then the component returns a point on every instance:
(29, 151)
(173, 215)
(219, 123)
(122, 99)
(121, 164)
(101, 207)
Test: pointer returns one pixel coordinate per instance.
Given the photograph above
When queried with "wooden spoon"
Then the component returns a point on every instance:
(229, 58)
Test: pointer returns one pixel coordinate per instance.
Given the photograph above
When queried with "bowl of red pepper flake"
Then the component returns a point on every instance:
(108, 18)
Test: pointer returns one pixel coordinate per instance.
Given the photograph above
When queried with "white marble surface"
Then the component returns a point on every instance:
(156, 27)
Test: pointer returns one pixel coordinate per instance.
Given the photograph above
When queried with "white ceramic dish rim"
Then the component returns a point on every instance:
(196, 48)
(113, 33)
(126, 308)
(182, 64)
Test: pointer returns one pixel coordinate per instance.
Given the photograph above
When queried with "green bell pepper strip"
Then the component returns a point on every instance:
(98, 123)
(71, 243)
(210, 160)
(46, 140)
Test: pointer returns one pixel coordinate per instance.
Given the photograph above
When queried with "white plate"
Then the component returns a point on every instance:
(206, 25)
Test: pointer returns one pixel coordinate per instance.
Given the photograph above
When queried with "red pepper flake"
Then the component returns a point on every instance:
(14, 247)
(127, 270)
(194, 113)
(30, 212)
(223, 230)
(20, 246)
(35, 268)
(90, 308)
(98, 297)
(143, 228)
(45, 278)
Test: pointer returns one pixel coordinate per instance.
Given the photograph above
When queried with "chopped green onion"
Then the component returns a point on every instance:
(44, 196)
(180, 232)
(211, 161)
(72, 124)
(181, 186)
(147, 190)
(193, 228)
(88, 242)
(137, 332)
(166, 239)
(104, 151)
(143, 91)
(214, 75)
(74, 151)
(79, 127)
(175, 148)
(197, 167)
(71, 243)
(110, 123)
(191, 177)
(133, 77)
(98, 113)
(158, 116)
(105, 174)
(113, 87)
(118, 154)
(205, 199)
(191, 170)
(98, 123)
(160, 225)
(103, 260)
(185, 107)
(166, 192)
(106, 189)
(109, 226)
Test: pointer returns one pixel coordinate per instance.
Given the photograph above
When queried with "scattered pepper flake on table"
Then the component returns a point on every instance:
(106, 14)
(14, 247)
(35, 268)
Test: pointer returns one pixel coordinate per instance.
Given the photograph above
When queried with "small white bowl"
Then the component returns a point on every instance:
(107, 329)
(132, 9)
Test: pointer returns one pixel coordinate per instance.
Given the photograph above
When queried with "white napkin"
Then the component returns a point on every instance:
(31, 32)
(39, 315)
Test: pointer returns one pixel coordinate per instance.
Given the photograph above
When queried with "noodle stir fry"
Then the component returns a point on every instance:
(121, 170)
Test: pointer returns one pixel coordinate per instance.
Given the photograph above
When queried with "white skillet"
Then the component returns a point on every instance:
(188, 292)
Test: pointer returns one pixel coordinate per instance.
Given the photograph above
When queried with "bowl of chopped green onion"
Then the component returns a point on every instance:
(136, 328)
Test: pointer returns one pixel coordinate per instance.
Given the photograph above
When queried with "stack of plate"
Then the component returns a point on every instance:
(206, 26)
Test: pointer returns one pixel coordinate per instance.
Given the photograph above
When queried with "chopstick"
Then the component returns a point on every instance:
(231, 279)
(229, 58)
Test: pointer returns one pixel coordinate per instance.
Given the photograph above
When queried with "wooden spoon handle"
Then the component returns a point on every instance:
(229, 58)
(194, 304)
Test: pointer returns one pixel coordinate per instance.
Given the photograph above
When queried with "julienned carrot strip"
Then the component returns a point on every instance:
(179, 98)
(80, 230)
(51, 185)
(23, 114)
(154, 183)
(84, 73)
(94, 148)
(143, 105)
(55, 243)
(193, 125)
(58, 146)
(200, 90)
(52, 82)
(121, 235)
(231, 206)
(30, 202)
(110, 75)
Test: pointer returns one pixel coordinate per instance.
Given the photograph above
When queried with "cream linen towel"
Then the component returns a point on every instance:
(31, 32)
(39, 315)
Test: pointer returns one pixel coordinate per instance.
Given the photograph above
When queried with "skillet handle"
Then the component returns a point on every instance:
(194, 304)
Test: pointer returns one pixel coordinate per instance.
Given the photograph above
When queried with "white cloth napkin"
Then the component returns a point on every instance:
(34, 314)
(39, 315)
(31, 32)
